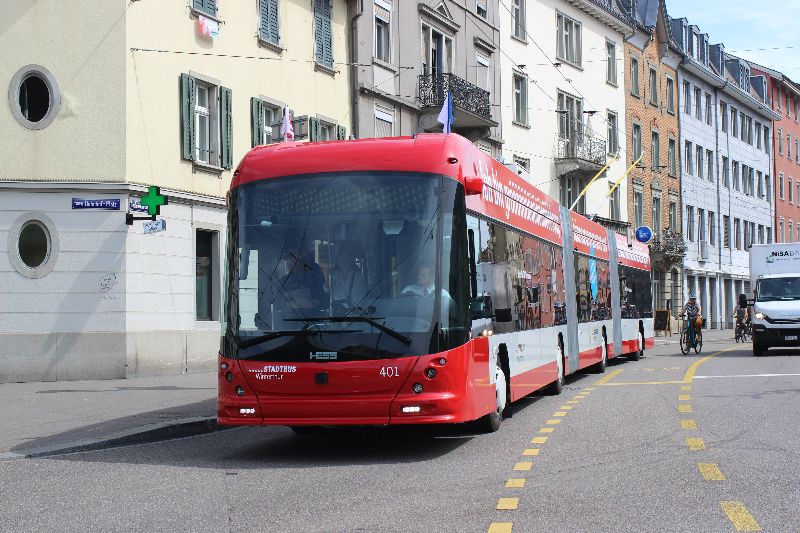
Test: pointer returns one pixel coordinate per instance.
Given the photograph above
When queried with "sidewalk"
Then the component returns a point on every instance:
(51, 417)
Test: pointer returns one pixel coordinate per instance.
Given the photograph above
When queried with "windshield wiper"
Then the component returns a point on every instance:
(258, 339)
(372, 321)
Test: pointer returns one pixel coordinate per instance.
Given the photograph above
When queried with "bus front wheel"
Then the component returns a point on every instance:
(491, 422)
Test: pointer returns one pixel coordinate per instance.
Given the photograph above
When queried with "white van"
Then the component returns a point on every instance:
(775, 280)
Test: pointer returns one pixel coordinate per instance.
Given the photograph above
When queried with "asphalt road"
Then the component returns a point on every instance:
(668, 443)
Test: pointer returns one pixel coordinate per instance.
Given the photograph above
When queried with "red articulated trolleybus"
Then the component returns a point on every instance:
(412, 281)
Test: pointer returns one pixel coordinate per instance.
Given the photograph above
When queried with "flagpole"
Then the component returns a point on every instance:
(592, 181)
(616, 184)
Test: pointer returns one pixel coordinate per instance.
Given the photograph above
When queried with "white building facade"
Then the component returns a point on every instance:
(726, 188)
(563, 99)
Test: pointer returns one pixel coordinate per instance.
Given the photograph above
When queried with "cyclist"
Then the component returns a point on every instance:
(741, 314)
(692, 311)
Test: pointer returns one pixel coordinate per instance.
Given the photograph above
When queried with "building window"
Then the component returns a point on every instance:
(34, 97)
(653, 86)
(710, 165)
(760, 184)
(725, 177)
(737, 234)
(638, 208)
(520, 99)
(613, 203)
(791, 191)
(655, 152)
(568, 46)
(636, 134)
(611, 63)
(672, 155)
(518, 18)
(749, 130)
(437, 52)
(687, 98)
(670, 95)
(701, 227)
(673, 214)
(708, 109)
(570, 123)
(760, 234)
(323, 36)
(742, 126)
(266, 122)
(723, 113)
(482, 64)
(780, 186)
(745, 187)
(634, 76)
(384, 122)
(734, 121)
(613, 139)
(758, 135)
(207, 128)
(736, 176)
(797, 149)
(789, 146)
(206, 259)
(726, 231)
(523, 162)
(268, 23)
(768, 188)
(781, 234)
(689, 156)
(690, 223)
(712, 229)
(209, 7)
(480, 8)
(699, 161)
(383, 34)
(656, 215)
(698, 103)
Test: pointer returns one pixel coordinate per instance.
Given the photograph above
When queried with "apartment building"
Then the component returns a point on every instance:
(151, 93)
(651, 121)
(409, 55)
(784, 97)
(726, 183)
(563, 100)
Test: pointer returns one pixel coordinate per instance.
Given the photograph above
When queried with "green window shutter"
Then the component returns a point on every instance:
(226, 128)
(188, 97)
(313, 129)
(257, 119)
(322, 32)
(206, 6)
(341, 133)
(268, 28)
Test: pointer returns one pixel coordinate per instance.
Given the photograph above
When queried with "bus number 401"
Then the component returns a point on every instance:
(389, 372)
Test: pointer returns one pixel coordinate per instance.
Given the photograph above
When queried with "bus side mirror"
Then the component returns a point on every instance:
(473, 185)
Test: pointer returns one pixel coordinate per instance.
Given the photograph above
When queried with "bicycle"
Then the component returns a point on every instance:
(742, 332)
(698, 339)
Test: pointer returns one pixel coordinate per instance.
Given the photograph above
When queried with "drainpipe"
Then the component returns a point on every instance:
(353, 44)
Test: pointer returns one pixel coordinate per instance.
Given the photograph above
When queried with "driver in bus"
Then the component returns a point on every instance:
(425, 285)
(347, 283)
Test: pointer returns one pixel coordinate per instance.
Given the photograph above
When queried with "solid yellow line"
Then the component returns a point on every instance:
(553, 421)
(560, 413)
(530, 452)
(688, 424)
(684, 408)
(547, 430)
(515, 483)
(500, 527)
(538, 440)
(689, 375)
(618, 383)
(607, 378)
(696, 444)
(710, 472)
(684, 397)
(507, 504)
(523, 466)
(739, 516)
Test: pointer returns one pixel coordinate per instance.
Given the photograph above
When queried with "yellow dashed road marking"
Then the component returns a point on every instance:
(515, 483)
(739, 516)
(507, 504)
(500, 527)
(573, 401)
(688, 424)
(710, 472)
(547, 430)
(566, 407)
(610, 375)
(684, 408)
(560, 413)
(580, 397)
(684, 398)
(696, 444)
(530, 452)
(686, 387)
(538, 440)
(523, 466)
(553, 421)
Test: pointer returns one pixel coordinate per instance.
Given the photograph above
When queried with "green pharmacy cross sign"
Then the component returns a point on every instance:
(153, 202)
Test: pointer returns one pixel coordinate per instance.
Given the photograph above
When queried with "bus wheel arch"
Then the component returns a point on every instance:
(601, 366)
(491, 422)
(557, 386)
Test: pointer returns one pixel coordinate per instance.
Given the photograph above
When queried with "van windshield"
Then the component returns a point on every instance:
(778, 289)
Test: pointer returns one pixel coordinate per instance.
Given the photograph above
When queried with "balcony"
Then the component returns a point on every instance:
(471, 108)
(579, 152)
(669, 244)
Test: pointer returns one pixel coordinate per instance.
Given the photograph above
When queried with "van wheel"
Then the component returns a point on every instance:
(491, 422)
(758, 349)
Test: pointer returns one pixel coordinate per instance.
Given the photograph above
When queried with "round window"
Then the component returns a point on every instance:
(34, 97)
(34, 244)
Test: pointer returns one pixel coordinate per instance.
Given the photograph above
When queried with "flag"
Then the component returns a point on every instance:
(446, 114)
(207, 27)
(287, 130)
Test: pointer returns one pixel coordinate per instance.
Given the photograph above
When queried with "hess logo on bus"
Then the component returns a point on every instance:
(323, 356)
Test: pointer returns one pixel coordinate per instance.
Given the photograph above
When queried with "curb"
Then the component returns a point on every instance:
(179, 428)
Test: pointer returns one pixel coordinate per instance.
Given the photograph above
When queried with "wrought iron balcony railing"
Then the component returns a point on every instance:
(581, 146)
(669, 243)
(434, 87)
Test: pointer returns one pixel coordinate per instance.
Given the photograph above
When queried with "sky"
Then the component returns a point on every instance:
(744, 29)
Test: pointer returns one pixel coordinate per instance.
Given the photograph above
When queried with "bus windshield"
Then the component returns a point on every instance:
(345, 266)
(778, 289)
